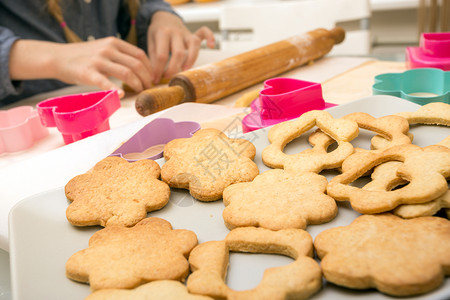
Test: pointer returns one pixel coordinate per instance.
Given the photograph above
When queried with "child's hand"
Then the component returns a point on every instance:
(94, 62)
(171, 46)
(88, 63)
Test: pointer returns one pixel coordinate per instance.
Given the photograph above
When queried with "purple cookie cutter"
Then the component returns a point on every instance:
(158, 132)
(433, 52)
(79, 116)
(20, 128)
(283, 99)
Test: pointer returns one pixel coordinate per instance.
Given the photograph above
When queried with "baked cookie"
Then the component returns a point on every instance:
(155, 290)
(124, 257)
(207, 163)
(425, 170)
(116, 192)
(408, 211)
(396, 256)
(277, 199)
(317, 158)
(297, 280)
(392, 128)
(445, 142)
(435, 113)
(385, 178)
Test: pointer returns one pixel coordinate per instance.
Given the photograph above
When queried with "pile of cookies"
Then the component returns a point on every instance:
(397, 245)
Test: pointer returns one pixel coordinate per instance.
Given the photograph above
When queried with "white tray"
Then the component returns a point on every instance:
(41, 239)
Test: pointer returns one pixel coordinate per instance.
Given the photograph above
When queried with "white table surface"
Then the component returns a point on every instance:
(50, 164)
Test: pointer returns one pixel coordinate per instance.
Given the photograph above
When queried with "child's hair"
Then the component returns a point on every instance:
(55, 10)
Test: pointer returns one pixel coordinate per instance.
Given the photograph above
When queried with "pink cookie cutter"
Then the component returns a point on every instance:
(433, 52)
(149, 141)
(20, 128)
(81, 115)
(283, 99)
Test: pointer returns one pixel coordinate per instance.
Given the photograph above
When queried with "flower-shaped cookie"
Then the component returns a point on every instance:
(155, 290)
(316, 159)
(297, 280)
(425, 170)
(278, 199)
(122, 258)
(398, 257)
(207, 163)
(116, 192)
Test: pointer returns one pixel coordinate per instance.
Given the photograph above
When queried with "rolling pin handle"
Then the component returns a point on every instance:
(338, 34)
(157, 99)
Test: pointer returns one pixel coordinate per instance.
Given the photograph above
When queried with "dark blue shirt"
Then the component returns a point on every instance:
(22, 19)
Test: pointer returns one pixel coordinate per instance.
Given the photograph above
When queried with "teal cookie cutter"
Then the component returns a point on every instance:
(421, 86)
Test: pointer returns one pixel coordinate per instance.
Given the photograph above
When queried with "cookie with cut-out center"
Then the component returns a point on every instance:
(207, 163)
(435, 113)
(116, 192)
(425, 170)
(317, 158)
(298, 280)
(155, 290)
(277, 199)
(385, 178)
(396, 256)
(124, 257)
(392, 128)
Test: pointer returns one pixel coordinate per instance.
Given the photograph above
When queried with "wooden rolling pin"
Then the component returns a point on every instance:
(214, 81)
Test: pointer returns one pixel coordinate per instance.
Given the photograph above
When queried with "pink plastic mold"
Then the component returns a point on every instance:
(79, 116)
(20, 128)
(433, 52)
(283, 99)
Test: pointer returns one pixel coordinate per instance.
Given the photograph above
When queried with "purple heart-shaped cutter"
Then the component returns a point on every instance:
(158, 131)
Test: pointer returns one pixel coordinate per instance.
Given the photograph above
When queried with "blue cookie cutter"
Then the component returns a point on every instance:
(421, 86)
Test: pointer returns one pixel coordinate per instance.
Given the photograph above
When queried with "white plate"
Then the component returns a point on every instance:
(41, 239)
